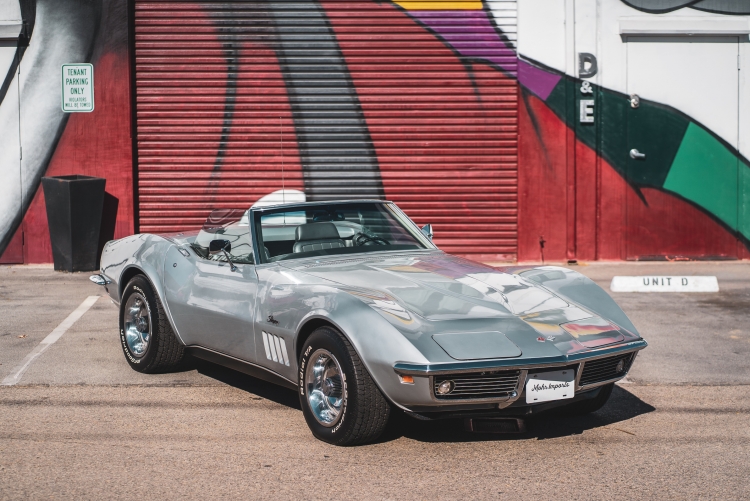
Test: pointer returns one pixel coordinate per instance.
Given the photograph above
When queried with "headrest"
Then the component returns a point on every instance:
(316, 231)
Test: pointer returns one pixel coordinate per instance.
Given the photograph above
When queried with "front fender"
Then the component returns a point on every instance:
(579, 289)
(294, 299)
(143, 253)
(378, 343)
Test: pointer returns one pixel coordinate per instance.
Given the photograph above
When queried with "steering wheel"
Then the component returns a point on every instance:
(363, 239)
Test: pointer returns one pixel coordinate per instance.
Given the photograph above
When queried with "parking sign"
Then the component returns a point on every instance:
(77, 88)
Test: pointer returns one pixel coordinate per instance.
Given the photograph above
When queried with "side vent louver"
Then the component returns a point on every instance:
(275, 348)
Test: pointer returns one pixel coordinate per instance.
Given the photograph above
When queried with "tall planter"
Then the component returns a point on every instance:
(74, 213)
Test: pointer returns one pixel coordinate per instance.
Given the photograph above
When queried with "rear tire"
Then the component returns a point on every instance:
(339, 399)
(147, 339)
(592, 404)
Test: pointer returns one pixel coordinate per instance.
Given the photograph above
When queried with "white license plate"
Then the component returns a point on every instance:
(546, 386)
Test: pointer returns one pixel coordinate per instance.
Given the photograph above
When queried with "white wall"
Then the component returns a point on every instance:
(544, 35)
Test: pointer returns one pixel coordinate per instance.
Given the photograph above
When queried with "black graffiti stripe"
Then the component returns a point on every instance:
(354, 172)
(231, 53)
(727, 7)
(28, 17)
(658, 6)
(11, 72)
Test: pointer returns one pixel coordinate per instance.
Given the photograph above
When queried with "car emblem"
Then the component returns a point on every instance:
(540, 339)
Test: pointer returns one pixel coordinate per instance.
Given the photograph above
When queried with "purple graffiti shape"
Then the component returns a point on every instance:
(537, 80)
(472, 35)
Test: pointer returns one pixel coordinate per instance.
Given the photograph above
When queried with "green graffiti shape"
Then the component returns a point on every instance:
(704, 171)
(744, 216)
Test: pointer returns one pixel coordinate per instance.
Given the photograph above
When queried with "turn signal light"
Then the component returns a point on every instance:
(407, 379)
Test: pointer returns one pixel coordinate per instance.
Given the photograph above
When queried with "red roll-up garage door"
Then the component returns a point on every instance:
(415, 102)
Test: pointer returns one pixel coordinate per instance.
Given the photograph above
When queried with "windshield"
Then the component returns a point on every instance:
(346, 228)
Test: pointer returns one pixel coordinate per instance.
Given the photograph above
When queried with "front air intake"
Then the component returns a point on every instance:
(605, 369)
(483, 385)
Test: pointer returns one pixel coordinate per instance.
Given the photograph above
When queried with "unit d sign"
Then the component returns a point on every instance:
(77, 88)
(664, 284)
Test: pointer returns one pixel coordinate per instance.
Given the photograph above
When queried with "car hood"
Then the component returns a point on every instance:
(467, 308)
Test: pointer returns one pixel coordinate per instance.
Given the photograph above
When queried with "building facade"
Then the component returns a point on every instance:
(522, 130)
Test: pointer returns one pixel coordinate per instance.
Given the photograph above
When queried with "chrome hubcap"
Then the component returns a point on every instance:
(137, 324)
(325, 389)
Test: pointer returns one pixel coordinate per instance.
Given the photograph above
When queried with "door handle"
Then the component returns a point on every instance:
(637, 155)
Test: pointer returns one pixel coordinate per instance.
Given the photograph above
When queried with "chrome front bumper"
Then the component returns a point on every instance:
(576, 361)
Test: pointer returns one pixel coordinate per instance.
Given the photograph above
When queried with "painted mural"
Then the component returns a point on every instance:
(689, 196)
(55, 143)
(686, 195)
(736, 7)
(345, 101)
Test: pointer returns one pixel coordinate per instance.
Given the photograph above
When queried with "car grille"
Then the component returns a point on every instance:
(604, 369)
(481, 385)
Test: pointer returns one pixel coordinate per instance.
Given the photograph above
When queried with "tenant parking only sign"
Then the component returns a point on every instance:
(77, 88)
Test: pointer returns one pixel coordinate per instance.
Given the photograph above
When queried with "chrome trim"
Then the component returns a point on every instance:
(519, 389)
(325, 388)
(409, 369)
(503, 402)
(577, 385)
(240, 365)
(100, 279)
(137, 325)
(602, 383)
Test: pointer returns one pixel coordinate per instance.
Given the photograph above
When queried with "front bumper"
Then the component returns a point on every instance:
(424, 378)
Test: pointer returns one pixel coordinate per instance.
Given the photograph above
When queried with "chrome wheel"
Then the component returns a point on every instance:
(325, 389)
(137, 320)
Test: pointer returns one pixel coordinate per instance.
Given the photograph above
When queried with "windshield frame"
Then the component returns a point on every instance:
(256, 213)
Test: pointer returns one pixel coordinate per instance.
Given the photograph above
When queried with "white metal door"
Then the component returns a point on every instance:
(684, 127)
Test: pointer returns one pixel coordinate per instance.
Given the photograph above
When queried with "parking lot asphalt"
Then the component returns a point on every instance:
(81, 424)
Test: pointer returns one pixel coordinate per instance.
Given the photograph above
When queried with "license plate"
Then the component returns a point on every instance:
(546, 386)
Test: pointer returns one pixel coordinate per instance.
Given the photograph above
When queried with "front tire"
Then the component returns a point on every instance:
(340, 401)
(146, 336)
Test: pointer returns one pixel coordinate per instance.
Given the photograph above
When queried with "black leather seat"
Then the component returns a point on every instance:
(317, 236)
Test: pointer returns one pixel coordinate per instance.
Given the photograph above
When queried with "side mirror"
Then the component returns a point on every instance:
(219, 246)
(427, 230)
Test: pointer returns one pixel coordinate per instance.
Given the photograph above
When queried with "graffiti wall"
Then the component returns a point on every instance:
(50, 142)
(415, 102)
(585, 130)
(650, 141)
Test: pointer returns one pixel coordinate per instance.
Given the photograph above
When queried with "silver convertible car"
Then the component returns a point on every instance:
(353, 306)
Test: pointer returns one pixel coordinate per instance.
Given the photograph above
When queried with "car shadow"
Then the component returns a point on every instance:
(622, 405)
(244, 382)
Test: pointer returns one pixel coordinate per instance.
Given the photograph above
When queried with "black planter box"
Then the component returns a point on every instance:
(74, 213)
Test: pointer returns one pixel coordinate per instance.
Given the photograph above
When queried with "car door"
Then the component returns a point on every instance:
(277, 311)
(211, 305)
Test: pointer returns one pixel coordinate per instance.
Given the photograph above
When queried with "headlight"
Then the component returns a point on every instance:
(446, 387)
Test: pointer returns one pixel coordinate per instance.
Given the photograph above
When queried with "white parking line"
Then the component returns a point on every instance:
(51, 338)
